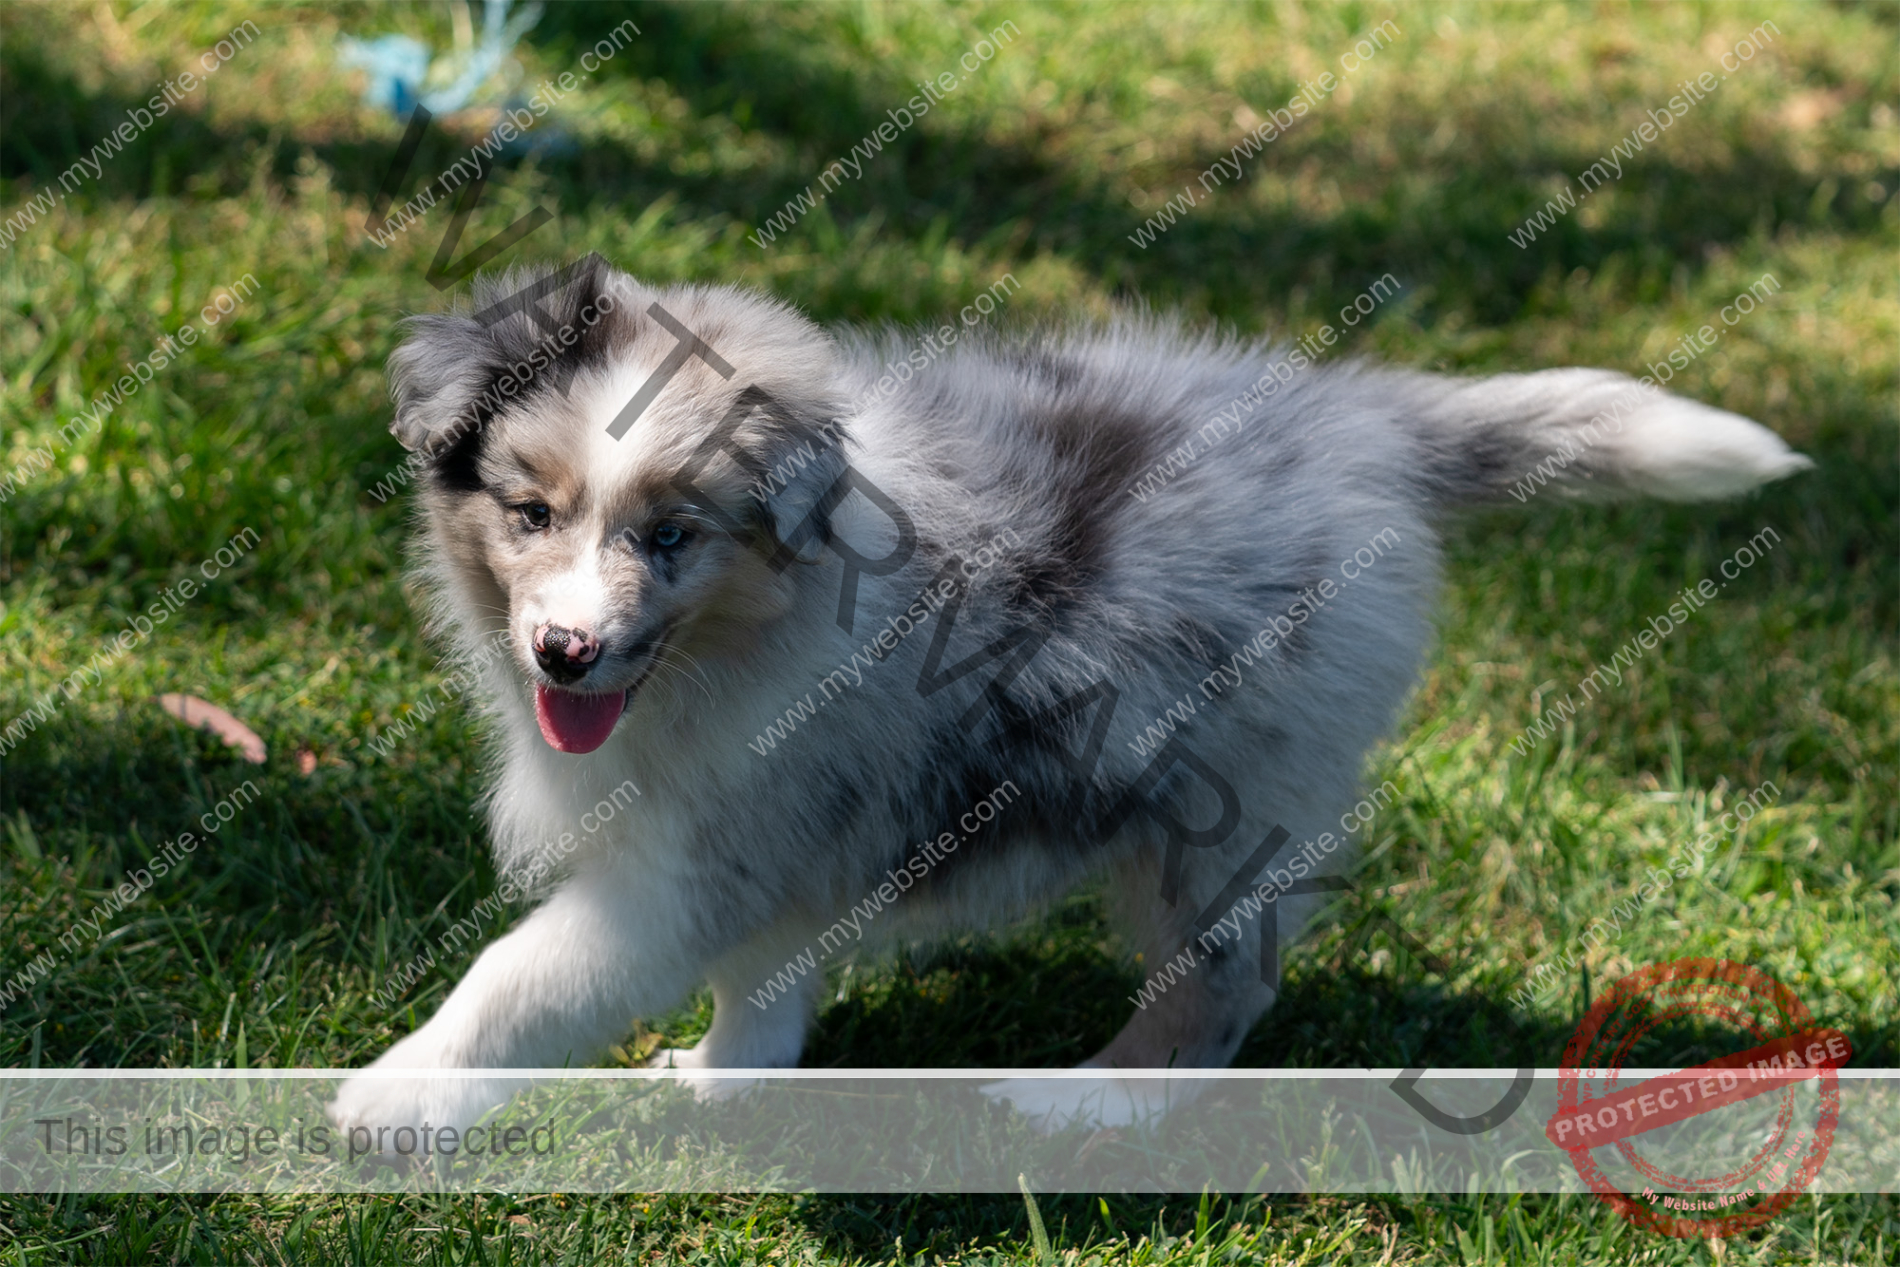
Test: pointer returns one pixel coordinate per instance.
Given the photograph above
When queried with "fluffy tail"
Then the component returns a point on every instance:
(1589, 433)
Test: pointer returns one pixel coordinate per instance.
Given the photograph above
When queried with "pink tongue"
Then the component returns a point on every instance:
(576, 723)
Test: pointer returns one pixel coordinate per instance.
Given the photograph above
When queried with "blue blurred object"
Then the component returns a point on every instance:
(399, 65)
(396, 66)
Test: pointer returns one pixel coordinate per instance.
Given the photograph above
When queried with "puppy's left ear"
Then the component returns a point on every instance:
(770, 472)
(436, 378)
(800, 489)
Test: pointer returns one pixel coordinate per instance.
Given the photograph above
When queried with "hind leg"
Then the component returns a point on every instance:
(1201, 992)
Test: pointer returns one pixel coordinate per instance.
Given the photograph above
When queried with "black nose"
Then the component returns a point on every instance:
(565, 654)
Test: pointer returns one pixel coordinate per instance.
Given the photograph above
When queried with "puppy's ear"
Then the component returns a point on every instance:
(437, 379)
(796, 457)
(798, 512)
(456, 370)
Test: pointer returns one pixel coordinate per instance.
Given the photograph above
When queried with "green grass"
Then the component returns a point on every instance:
(273, 939)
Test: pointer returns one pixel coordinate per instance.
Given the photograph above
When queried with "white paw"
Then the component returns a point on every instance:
(395, 1108)
(386, 1115)
(707, 1083)
(1097, 1103)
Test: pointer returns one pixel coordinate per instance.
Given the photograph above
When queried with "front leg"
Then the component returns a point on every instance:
(764, 994)
(551, 994)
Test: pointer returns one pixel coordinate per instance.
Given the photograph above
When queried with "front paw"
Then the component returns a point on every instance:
(1055, 1104)
(396, 1108)
(707, 1082)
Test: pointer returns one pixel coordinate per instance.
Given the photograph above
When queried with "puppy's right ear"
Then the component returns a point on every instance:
(437, 379)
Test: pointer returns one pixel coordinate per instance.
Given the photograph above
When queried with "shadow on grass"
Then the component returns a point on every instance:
(1053, 993)
(345, 862)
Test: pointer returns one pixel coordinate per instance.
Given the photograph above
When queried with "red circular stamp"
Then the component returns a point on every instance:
(1711, 1149)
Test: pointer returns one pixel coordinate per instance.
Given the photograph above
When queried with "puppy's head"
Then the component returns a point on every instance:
(613, 544)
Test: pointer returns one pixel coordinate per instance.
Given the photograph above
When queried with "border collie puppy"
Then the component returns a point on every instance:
(893, 646)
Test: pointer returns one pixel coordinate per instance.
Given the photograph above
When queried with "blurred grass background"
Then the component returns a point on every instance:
(266, 948)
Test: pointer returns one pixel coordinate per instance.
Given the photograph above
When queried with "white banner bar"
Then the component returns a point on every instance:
(959, 1130)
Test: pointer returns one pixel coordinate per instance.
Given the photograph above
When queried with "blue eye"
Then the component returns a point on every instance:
(668, 535)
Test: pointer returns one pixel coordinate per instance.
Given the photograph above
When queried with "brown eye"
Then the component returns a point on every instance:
(535, 515)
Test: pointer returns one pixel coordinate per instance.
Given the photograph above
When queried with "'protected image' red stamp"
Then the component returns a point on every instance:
(1715, 1148)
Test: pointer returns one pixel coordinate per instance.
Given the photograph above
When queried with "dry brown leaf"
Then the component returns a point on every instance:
(206, 716)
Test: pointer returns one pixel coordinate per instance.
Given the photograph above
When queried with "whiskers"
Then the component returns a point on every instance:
(664, 657)
(492, 639)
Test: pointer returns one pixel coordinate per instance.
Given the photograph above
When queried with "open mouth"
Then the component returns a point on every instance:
(577, 723)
